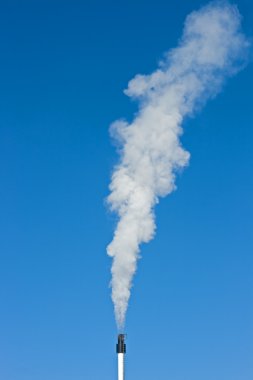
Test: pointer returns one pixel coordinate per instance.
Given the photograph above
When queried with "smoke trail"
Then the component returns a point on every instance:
(212, 48)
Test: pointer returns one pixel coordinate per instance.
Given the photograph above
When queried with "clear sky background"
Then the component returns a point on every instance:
(63, 67)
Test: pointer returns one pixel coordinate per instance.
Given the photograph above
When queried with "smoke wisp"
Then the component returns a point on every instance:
(212, 48)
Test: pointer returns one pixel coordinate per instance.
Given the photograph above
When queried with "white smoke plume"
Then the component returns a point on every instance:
(212, 48)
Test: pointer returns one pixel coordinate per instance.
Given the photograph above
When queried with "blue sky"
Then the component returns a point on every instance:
(64, 65)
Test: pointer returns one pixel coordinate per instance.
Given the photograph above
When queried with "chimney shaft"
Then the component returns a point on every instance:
(121, 350)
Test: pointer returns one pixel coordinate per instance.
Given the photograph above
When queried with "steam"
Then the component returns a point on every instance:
(212, 48)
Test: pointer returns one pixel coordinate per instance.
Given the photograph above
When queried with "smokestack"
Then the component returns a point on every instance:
(121, 350)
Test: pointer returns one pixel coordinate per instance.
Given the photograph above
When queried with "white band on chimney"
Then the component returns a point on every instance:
(121, 366)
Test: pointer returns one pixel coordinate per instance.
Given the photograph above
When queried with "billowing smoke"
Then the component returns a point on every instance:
(212, 48)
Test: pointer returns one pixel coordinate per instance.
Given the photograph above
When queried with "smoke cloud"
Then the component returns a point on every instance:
(212, 48)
